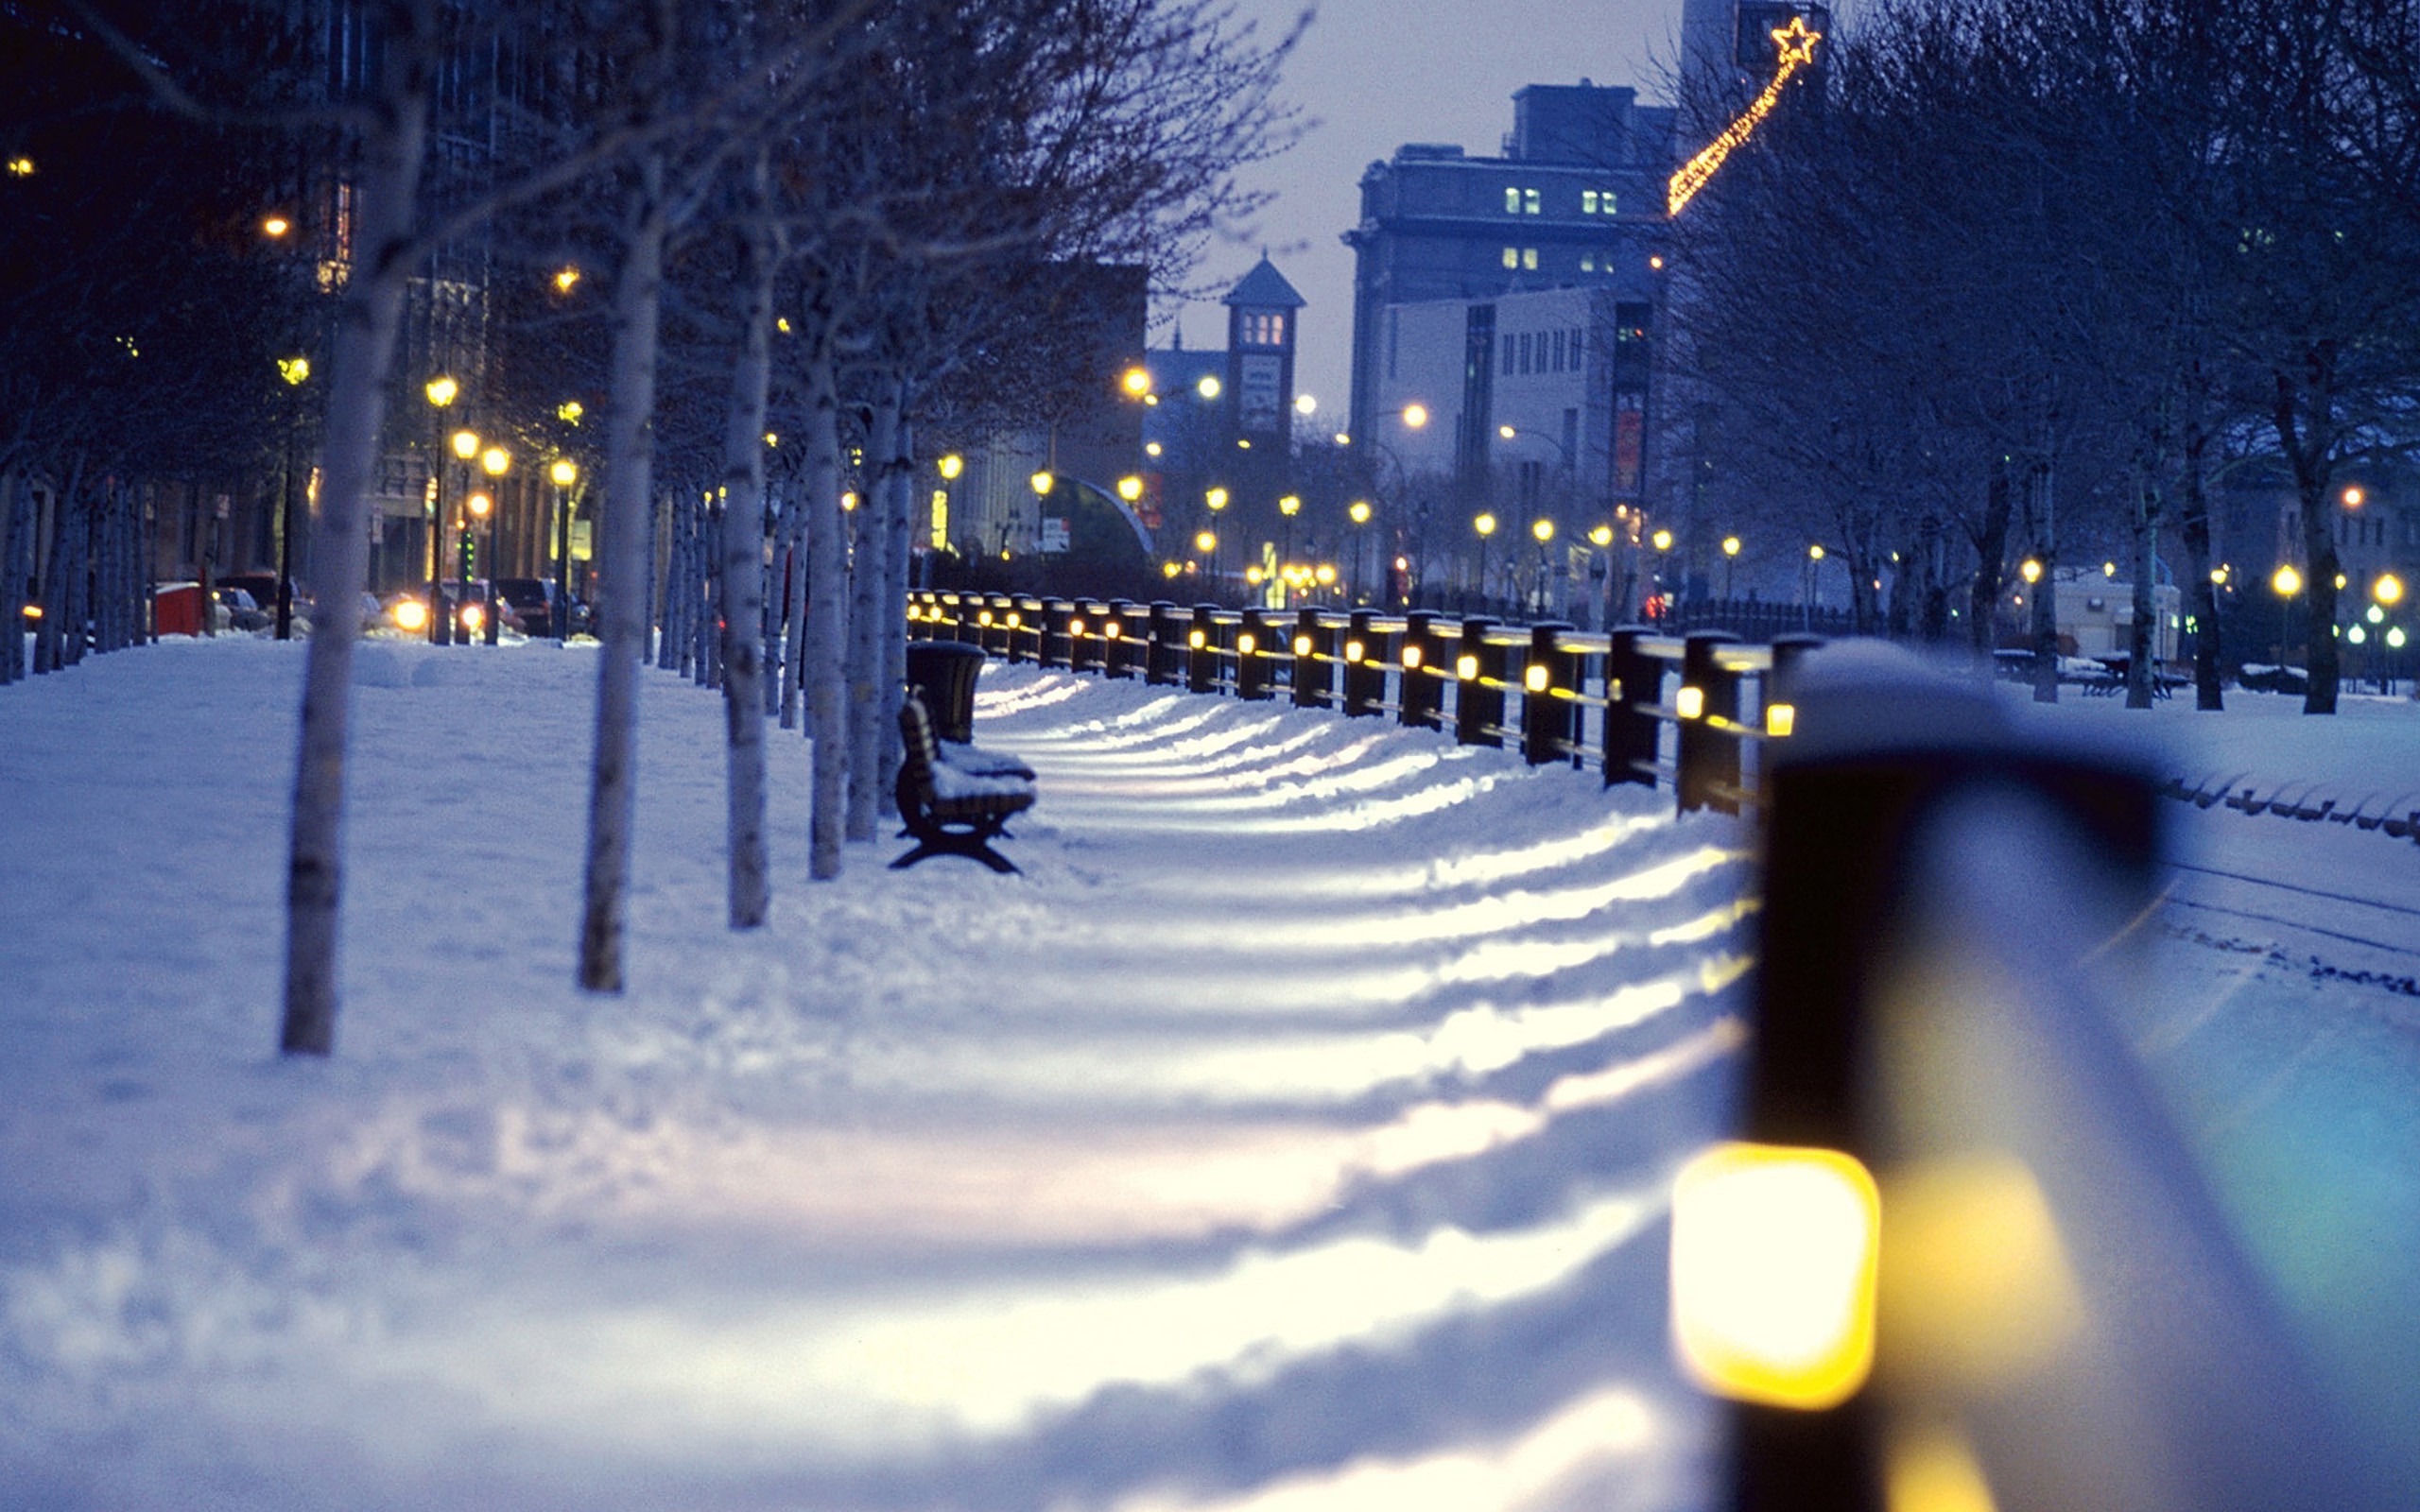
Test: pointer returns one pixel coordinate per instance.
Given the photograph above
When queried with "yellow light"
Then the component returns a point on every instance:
(1290, 505)
(1043, 483)
(473, 617)
(1933, 1470)
(409, 614)
(1657, 263)
(1016, 621)
(1690, 703)
(1196, 640)
(983, 618)
(570, 410)
(1415, 416)
(1255, 576)
(1507, 431)
(1209, 387)
(21, 167)
(1484, 525)
(1216, 499)
(849, 501)
(2355, 498)
(1305, 405)
(2388, 591)
(1781, 720)
(440, 391)
(1075, 627)
(1797, 45)
(1537, 680)
(1543, 529)
(1110, 631)
(565, 473)
(1358, 511)
(2219, 576)
(1205, 543)
(951, 466)
(2109, 570)
(494, 460)
(1731, 545)
(1169, 569)
(783, 325)
(1814, 553)
(1410, 658)
(295, 370)
(2340, 580)
(566, 280)
(466, 445)
(1355, 651)
(276, 226)
(1663, 541)
(1246, 644)
(1137, 381)
(33, 612)
(1773, 1262)
(2030, 572)
(773, 438)
(1466, 666)
(1130, 489)
(1326, 574)
(1301, 645)
(478, 504)
(1601, 537)
(1152, 448)
(2287, 582)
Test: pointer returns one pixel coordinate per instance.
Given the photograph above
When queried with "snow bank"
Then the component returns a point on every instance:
(1293, 1135)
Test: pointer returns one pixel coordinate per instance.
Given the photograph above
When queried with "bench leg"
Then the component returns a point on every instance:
(973, 847)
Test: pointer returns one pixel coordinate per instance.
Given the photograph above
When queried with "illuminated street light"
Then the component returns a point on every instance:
(2030, 572)
(1206, 542)
(1215, 499)
(2287, 582)
(1043, 483)
(276, 226)
(1137, 381)
(566, 279)
(442, 390)
(1485, 524)
(564, 474)
(1358, 512)
(466, 445)
(2388, 589)
(2355, 497)
(1601, 537)
(1305, 405)
(479, 504)
(1209, 387)
(1415, 416)
(1130, 489)
(1507, 431)
(1663, 539)
(1543, 529)
(494, 460)
(951, 466)
(569, 411)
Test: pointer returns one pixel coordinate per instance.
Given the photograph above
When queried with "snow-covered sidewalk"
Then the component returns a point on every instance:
(1294, 1134)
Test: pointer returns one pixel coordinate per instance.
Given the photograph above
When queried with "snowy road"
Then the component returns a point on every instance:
(1294, 1135)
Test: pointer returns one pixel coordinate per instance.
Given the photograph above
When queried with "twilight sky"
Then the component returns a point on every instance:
(1375, 74)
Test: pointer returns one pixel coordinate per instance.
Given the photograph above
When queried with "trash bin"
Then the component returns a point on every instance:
(944, 671)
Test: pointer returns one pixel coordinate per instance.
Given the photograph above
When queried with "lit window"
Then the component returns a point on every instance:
(1607, 204)
(1532, 202)
(1530, 258)
(1512, 257)
(1587, 201)
(1588, 261)
(1512, 202)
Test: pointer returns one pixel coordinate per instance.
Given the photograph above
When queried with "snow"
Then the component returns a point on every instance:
(1294, 1134)
(1293, 1137)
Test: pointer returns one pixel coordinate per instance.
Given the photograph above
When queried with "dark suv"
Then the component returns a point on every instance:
(532, 602)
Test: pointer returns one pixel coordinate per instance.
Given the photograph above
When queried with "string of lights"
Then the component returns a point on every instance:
(1797, 45)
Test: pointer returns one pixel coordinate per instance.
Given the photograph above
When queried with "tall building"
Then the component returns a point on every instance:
(1517, 293)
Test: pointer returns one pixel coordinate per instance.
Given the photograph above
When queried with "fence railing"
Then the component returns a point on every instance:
(1689, 713)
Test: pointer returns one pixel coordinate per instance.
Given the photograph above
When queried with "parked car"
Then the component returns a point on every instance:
(532, 602)
(263, 587)
(238, 611)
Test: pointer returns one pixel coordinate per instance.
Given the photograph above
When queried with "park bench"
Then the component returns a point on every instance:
(947, 809)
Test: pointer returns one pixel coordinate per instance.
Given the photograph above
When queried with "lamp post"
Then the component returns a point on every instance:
(563, 474)
(1485, 526)
(1814, 559)
(1662, 541)
(1542, 529)
(441, 392)
(2385, 595)
(1358, 512)
(1215, 499)
(1290, 505)
(1730, 559)
(442, 611)
(2286, 583)
(296, 372)
(493, 461)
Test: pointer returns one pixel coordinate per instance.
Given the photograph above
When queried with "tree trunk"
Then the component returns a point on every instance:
(2307, 449)
(743, 577)
(827, 589)
(793, 559)
(392, 151)
(869, 576)
(630, 491)
(2046, 593)
(2201, 594)
(2142, 639)
(900, 519)
(1991, 553)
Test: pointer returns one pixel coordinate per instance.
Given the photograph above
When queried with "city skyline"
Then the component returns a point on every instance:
(1346, 79)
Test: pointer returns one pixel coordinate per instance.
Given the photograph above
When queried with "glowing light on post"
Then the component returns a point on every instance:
(442, 390)
(1130, 489)
(1537, 680)
(21, 167)
(1663, 539)
(2355, 497)
(1290, 505)
(951, 466)
(2287, 582)
(1209, 387)
(1797, 45)
(1731, 545)
(1301, 645)
(1467, 667)
(1358, 511)
(466, 445)
(276, 226)
(1781, 720)
(569, 411)
(1415, 416)
(2030, 572)
(494, 461)
(1305, 405)
(1543, 529)
(1215, 499)
(1601, 537)
(1689, 703)
(1206, 542)
(1043, 484)
(1773, 1264)
(2388, 589)
(478, 504)
(1484, 525)
(566, 279)
(1136, 383)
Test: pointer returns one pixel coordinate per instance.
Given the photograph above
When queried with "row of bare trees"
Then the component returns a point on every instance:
(811, 218)
(2016, 276)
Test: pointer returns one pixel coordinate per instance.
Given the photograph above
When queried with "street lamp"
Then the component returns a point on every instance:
(1290, 505)
(563, 474)
(2388, 589)
(1415, 416)
(1814, 558)
(1730, 559)
(2286, 583)
(296, 372)
(1542, 530)
(494, 461)
(441, 391)
(1358, 512)
(1485, 526)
